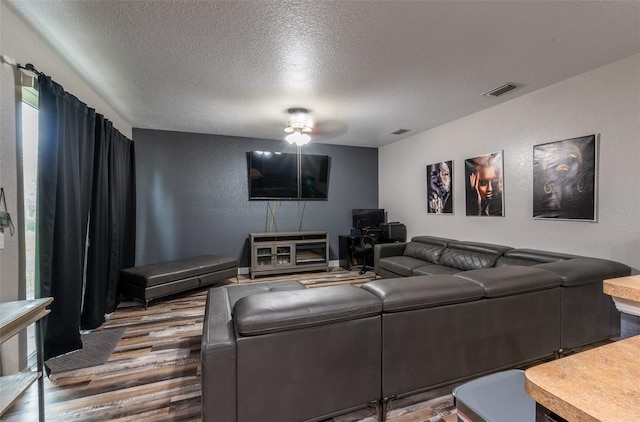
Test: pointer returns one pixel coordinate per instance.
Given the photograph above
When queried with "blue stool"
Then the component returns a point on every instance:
(498, 397)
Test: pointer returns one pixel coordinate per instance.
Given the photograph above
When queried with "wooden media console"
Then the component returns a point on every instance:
(288, 252)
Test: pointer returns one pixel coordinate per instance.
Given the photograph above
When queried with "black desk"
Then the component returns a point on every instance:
(345, 251)
(348, 259)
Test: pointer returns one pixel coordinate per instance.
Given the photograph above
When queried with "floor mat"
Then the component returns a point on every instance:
(97, 346)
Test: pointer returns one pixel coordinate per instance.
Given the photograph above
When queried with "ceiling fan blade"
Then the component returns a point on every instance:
(330, 128)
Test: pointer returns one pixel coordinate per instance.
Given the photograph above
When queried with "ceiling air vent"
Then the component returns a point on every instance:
(400, 131)
(499, 90)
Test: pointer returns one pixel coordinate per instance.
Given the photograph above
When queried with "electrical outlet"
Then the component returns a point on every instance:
(1, 240)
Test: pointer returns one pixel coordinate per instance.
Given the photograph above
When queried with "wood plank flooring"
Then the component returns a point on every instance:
(154, 372)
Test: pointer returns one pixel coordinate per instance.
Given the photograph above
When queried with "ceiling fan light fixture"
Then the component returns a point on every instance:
(299, 126)
(293, 128)
(298, 137)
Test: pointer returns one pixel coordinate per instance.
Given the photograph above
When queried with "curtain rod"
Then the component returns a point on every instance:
(30, 68)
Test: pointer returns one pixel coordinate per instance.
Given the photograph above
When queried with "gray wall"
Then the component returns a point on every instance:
(192, 195)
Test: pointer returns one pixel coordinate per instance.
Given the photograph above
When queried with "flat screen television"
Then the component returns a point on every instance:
(370, 218)
(279, 175)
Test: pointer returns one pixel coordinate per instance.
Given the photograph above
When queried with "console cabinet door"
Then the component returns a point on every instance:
(270, 256)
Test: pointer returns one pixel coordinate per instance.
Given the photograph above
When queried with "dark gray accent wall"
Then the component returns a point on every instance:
(192, 195)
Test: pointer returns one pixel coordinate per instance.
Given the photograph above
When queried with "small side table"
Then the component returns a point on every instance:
(599, 384)
(625, 292)
(14, 317)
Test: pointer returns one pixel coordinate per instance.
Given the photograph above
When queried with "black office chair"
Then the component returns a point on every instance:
(365, 249)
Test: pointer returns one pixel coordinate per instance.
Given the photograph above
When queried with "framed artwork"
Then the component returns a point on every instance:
(440, 188)
(564, 179)
(485, 185)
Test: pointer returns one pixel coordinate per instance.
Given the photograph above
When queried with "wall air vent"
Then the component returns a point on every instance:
(499, 90)
(400, 131)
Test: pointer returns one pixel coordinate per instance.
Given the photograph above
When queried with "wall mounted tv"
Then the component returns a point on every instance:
(281, 175)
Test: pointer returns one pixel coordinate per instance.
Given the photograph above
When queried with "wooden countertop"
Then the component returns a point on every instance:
(17, 315)
(600, 384)
(623, 287)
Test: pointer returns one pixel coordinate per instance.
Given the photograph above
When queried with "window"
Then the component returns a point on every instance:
(30, 166)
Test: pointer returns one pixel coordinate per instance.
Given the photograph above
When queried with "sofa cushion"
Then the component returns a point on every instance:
(472, 255)
(507, 281)
(236, 292)
(289, 310)
(423, 251)
(432, 269)
(529, 257)
(578, 271)
(403, 294)
(433, 240)
(401, 265)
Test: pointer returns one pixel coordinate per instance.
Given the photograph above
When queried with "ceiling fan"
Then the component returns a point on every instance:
(299, 126)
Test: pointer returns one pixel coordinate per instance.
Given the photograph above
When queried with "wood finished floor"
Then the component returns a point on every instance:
(154, 372)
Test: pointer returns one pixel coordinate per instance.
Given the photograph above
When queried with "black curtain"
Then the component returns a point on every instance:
(65, 175)
(86, 185)
(112, 225)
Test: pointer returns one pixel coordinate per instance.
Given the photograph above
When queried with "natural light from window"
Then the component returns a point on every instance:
(30, 165)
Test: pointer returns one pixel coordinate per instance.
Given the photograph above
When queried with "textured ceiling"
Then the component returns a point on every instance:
(363, 68)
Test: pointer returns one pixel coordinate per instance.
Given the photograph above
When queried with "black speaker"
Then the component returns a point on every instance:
(395, 232)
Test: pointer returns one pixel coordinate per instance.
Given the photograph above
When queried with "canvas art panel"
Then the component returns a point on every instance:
(485, 185)
(564, 179)
(440, 188)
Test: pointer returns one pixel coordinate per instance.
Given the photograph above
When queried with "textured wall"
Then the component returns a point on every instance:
(605, 101)
(192, 195)
(11, 356)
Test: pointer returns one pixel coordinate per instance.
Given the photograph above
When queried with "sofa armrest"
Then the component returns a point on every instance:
(383, 250)
(218, 357)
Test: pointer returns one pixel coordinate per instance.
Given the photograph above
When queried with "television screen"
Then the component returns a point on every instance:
(314, 176)
(367, 218)
(275, 175)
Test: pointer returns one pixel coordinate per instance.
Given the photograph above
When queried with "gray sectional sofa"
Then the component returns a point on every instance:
(588, 315)
(446, 312)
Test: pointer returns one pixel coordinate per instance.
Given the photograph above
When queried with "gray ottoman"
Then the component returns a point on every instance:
(498, 397)
(150, 282)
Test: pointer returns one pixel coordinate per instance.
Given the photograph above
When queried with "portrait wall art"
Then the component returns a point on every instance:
(564, 179)
(485, 185)
(440, 188)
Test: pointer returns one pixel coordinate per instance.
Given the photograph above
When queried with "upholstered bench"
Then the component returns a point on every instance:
(498, 397)
(153, 281)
